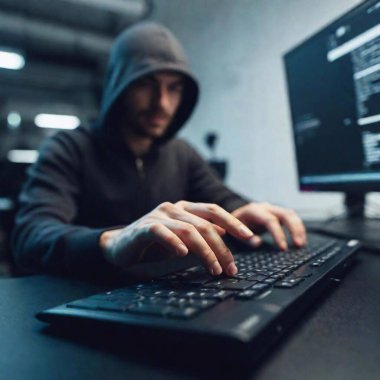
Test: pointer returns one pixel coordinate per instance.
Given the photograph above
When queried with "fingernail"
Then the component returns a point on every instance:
(232, 269)
(284, 245)
(182, 250)
(245, 231)
(303, 240)
(216, 269)
(256, 240)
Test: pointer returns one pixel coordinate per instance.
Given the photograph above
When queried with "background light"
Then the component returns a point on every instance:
(24, 156)
(44, 120)
(13, 120)
(12, 61)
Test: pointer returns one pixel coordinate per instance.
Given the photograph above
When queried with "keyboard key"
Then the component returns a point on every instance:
(181, 303)
(164, 310)
(222, 295)
(201, 304)
(241, 275)
(247, 294)
(197, 278)
(206, 293)
(260, 287)
(278, 276)
(291, 283)
(229, 284)
(256, 277)
(269, 281)
(185, 313)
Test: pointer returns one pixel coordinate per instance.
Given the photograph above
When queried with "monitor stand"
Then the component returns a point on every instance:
(354, 224)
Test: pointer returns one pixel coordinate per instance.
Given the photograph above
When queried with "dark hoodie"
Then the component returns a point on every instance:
(86, 181)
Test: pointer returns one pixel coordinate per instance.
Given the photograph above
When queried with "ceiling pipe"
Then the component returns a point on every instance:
(57, 38)
(135, 9)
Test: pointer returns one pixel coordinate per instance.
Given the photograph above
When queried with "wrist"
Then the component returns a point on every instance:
(105, 240)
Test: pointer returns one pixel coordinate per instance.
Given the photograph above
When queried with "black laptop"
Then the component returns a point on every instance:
(241, 316)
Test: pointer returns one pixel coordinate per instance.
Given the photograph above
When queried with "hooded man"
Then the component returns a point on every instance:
(104, 197)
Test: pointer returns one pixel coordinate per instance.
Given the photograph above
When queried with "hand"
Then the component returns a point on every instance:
(179, 228)
(264, 216)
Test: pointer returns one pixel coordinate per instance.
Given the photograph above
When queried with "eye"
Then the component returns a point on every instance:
(176, 88)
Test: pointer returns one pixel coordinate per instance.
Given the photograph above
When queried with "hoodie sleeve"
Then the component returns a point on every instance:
(45, 238)
(205, 186)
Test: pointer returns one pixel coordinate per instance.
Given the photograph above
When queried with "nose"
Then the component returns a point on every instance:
(162, 98)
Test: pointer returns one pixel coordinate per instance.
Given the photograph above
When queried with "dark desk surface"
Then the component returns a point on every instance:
(339, 338)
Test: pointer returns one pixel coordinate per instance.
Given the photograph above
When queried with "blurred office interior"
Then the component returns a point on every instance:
(53, 56)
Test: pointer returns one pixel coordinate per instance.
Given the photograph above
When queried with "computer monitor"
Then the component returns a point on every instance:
(334, 91)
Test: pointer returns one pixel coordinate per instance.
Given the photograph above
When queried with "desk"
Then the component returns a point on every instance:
(339, 338)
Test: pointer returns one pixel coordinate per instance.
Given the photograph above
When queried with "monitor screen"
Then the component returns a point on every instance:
(334, 92)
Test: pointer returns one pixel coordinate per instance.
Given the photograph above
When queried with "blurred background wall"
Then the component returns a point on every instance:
(236, 49)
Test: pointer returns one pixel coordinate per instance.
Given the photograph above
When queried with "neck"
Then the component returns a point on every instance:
(139, 145)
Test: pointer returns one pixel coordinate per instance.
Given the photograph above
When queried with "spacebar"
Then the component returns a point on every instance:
(229, 284)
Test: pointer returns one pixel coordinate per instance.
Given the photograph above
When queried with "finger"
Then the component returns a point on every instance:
(255, 241)
(196, 244)
(219, 230)
(159, 233)
(273, 225)
(209, 234)
(292, 222)
(265, 218)
(219, 216)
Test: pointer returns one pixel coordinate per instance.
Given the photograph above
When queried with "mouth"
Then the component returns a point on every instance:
(157, 119)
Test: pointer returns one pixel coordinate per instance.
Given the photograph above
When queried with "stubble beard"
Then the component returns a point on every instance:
(141, 127)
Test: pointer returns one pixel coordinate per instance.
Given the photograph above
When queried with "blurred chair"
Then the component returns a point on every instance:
(219, 166)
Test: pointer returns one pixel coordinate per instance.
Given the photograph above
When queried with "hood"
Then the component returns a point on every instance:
(143, 49)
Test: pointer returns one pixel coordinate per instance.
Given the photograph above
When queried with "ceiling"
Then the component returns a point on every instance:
(65, 44)
(76, 28)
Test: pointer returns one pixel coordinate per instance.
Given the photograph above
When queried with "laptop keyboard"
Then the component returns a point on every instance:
(186, 293)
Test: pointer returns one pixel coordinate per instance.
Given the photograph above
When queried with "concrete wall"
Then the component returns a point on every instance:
(236, 48)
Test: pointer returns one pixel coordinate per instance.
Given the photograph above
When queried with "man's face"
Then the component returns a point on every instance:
(151, 103)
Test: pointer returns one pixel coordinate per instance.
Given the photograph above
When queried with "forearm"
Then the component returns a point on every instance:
(50, 246)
